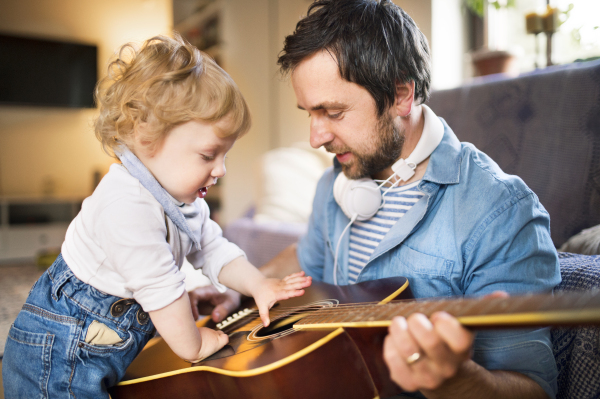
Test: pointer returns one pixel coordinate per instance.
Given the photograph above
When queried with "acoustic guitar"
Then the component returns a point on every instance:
(328, 343)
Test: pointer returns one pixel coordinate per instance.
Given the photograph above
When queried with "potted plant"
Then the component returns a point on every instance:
(487, 60)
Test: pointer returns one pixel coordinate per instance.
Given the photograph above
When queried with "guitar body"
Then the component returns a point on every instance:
(277, 362)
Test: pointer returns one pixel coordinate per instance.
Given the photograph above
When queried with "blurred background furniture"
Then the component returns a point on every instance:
(33, 226)
(285, 184)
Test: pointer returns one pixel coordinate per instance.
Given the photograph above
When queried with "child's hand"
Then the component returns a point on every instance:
(212, 341)
(271, 290)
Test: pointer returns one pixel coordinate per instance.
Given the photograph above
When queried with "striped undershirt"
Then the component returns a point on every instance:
(365, 236)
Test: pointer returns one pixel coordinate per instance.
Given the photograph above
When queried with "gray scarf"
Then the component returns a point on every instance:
(179, 214)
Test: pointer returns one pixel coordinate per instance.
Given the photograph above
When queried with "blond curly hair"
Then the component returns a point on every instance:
(164, 83)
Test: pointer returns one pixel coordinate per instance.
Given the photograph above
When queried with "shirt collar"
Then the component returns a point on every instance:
(444, 162)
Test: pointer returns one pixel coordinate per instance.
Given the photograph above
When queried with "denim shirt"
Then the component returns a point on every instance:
(475, 230)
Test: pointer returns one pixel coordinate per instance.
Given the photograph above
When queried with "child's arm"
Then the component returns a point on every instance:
(243, 277)
(176, 325)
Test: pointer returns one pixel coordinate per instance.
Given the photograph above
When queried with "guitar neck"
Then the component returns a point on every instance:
(560, 309)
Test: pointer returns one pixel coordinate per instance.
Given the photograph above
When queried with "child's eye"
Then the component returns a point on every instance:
(206, 157)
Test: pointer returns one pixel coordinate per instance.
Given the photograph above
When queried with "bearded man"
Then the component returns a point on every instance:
(454, 225)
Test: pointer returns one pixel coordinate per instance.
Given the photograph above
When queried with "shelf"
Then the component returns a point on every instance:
(31, 225)
(203, 29)
(200, 17)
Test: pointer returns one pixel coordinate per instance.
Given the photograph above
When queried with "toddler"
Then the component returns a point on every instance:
(170, 114)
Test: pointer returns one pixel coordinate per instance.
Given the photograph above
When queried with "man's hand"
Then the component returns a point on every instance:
(433, 355)
(423, 353)
(224, 303)
(271, 290)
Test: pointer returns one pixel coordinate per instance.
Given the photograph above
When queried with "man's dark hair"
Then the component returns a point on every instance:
(375, 42)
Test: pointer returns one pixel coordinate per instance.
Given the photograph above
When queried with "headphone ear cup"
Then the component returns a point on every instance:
(359, 198)
(340, 188)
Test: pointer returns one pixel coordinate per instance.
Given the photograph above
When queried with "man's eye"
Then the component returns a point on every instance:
(334, 116)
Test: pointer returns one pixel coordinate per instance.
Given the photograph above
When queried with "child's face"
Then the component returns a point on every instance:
(190, 159)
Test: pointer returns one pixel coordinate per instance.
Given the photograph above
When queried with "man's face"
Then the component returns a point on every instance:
(343, 118)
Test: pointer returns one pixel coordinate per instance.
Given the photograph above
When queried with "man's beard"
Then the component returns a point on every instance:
(388, 149)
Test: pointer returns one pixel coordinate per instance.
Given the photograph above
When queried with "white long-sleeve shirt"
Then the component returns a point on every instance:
(118, 244)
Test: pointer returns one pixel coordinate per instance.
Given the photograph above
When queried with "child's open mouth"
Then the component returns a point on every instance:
(202, 192)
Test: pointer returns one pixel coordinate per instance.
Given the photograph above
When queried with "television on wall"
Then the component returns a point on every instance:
(40, 72)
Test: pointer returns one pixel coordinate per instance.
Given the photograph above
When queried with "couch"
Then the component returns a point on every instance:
(543, 126)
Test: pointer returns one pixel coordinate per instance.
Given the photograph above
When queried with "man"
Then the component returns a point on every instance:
(361, 70)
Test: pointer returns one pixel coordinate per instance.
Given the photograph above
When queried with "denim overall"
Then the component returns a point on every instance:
(46, 353)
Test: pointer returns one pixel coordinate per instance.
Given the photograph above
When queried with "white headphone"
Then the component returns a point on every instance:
(360, 199)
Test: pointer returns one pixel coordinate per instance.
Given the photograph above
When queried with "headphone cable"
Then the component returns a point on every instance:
(337, 248)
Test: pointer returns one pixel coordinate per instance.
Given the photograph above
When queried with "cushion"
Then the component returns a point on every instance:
(587, 242)
(577, 350)
(287, 181)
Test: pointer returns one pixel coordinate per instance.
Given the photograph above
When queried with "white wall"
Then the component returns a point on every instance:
(39, 144)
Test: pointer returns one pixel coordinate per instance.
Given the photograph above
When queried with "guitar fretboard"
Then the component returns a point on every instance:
(564, 308)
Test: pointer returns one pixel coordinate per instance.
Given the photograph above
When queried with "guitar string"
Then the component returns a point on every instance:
(557, 299)
(345, 309)
(339, 311)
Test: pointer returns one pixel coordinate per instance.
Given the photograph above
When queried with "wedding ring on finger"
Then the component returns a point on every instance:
(412, 359)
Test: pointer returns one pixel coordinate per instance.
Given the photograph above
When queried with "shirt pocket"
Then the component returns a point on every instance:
(428, 275)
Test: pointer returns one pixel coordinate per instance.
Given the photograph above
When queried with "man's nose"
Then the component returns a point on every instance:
(320, 134)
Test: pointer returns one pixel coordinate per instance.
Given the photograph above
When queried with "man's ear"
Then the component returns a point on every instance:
(405, 97)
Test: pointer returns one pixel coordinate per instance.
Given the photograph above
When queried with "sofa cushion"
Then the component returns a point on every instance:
(586, 242)
(577, 350)
(286, 183)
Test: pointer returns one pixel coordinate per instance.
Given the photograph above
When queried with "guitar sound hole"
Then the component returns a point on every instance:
(280, 325)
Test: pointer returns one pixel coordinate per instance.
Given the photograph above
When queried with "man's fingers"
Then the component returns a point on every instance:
(458, 339)
(223, 309)
(402, 339)
(441, 362)
(398, 346)
(219, 313)
(205, 293)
